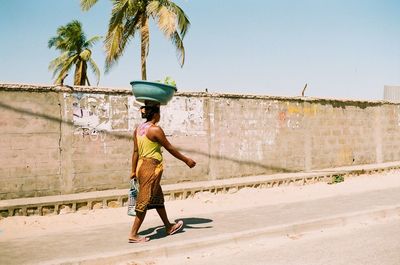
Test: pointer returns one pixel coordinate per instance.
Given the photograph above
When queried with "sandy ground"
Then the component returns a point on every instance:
(350, 244)
(203, 203)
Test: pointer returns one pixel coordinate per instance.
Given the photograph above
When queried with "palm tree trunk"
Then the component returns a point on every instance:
(144, 32)
(84, 73)
(77, 75)
(80, 74)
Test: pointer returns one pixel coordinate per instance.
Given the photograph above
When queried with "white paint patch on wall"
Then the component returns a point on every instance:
(66, 96)
(84, 118)
(134, 117)
(87, 118)
(183, 116)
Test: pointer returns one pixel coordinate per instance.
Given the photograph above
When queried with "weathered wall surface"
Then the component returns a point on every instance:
(58, 140)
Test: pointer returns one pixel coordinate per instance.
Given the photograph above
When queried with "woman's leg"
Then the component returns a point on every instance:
(145, 171)
(163, 215)
(136, 225)
(170, 228)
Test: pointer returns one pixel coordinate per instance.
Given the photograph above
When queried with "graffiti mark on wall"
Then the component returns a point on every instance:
(88, 123)
(91, 116)
(289, 121)
(282, 119)
(293, 124)
(306, 111)
(293, 116)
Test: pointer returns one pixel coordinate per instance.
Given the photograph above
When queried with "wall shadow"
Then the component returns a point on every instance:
(127, 136)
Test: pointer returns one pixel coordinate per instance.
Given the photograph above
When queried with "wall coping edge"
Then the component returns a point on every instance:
(127, 91)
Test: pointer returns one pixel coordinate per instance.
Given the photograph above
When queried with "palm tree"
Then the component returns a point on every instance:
(74, 47)
(130, 16)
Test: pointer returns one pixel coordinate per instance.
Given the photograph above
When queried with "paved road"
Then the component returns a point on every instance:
(373, 244)
(203, 225)
(112, 237)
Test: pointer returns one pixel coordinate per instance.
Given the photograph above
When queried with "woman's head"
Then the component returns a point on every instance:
(150, 112)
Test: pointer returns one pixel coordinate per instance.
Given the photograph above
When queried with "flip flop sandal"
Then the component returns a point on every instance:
(176, 227)
(139, 240)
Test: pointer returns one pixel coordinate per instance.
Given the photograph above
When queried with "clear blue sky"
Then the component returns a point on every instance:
(341, 48)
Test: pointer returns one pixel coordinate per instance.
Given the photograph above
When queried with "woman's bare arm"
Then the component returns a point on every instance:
(158, 134)
(135, 156)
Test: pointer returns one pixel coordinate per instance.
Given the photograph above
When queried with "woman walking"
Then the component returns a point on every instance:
(147, 168)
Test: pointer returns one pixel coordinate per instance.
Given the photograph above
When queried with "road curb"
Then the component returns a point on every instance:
(170, 249)
(116, 198)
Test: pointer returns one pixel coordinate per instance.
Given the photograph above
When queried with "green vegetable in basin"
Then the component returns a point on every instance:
(144, 90)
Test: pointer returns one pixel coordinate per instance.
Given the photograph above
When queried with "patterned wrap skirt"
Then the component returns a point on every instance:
(150, 194)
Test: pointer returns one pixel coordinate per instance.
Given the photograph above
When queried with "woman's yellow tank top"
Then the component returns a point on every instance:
(146, 147)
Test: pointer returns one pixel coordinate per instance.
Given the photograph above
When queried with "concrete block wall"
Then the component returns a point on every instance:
(388, 130)
(62, 140)
(29, 144)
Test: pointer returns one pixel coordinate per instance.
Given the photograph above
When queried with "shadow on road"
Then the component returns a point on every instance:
(188, 223)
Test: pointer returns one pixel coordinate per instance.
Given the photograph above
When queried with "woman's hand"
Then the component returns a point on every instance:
(190, 162)
(133, 175)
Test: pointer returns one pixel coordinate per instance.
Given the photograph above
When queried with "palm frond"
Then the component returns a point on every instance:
(87, 4)
(152, 8)
(183, 21)
(58, 43)
(113, 47)
(130, 28)
(90, 42)
(171, 18)
(95, 69)
(69, 37)
(119, 14)
(114, 42)
(180, 50)
(52, 42)
(166, 21)
(58, 61)
(65, 68)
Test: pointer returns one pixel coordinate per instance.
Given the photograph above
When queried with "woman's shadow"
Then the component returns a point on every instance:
(159, 231)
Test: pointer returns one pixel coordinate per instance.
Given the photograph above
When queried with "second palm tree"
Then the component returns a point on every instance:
(74, 47)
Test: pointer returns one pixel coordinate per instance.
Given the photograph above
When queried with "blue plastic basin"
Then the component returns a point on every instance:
(144, 90)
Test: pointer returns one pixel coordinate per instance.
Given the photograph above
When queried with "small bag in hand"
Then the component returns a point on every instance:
(133, 191)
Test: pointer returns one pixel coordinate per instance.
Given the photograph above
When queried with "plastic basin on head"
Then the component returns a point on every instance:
(143, 91)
